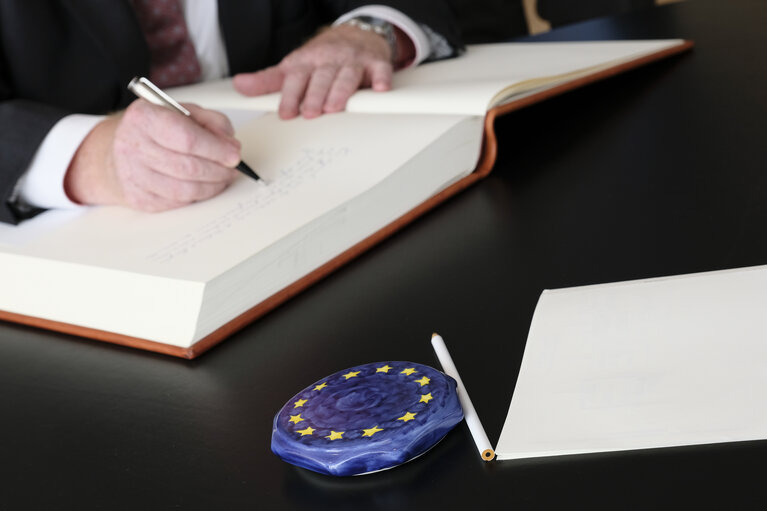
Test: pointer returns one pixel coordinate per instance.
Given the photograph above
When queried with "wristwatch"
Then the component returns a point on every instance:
(377, 26)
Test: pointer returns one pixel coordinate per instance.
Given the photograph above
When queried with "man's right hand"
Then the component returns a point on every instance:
(153, 159)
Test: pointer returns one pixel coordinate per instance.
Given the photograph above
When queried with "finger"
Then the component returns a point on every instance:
(185, 167)
(317, 90)
(135, 153)
(212, 120)
(346, 83)
(135, 194)
(380, 73)
(178, 191)
(145, 200)
(261, 82)
(183, 135)
(293, 89)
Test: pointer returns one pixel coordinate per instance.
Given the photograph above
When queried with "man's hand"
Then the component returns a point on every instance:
(153, 159)
(321, 76)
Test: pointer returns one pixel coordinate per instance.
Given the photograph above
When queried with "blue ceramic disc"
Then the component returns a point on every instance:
(366, 418)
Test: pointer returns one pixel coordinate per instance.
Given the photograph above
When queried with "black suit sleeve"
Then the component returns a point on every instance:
(436, 14)
(23, 126)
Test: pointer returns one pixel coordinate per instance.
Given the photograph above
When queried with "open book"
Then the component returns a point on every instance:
(181, 281)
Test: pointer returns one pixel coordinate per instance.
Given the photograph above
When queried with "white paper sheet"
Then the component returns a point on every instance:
(653, 363)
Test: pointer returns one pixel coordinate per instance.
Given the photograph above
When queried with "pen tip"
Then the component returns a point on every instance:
(435, 334)
(245, 169)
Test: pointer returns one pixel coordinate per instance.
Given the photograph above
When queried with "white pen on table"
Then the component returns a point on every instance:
(472, 419)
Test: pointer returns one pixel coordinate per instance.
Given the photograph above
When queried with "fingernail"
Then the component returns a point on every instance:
(234, 157)
(310, 113)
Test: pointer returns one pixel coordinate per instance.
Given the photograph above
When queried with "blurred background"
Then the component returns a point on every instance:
(485, 21)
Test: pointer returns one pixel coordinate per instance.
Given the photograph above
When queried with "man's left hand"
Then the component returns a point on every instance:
(320, 76)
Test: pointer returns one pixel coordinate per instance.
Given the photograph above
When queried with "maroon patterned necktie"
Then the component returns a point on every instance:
(173, 59)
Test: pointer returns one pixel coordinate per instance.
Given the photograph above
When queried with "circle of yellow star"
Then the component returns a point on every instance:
(299, 403)
(307, 431)
(408, 371)
(384, 369)
(423, 381)
(335, 435)
(321, 386)
(407, 417)
(351, 374)
(295, 419)
(372, 431)
(426, 398)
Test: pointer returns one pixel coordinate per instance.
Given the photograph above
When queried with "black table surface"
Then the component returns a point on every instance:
(656, 172)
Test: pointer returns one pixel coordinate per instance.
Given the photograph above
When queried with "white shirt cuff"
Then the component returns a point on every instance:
(401, 21)
(42, 185)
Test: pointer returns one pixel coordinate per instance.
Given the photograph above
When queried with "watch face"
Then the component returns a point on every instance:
(366, 418)
(378, 26)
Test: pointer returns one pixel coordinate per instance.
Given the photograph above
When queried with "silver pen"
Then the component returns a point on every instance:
(145, 89)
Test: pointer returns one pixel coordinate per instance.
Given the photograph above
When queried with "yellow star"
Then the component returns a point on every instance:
(321, 386)
(408, 371)
(426, 398)
(407, 417)
(384, 369)
(300, 403)
(335, 435)
(307, 431)
(295, 419)
(372, 431)
(351, 374)
(423, 381)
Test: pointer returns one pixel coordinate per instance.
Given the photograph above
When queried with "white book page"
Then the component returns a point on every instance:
(467, 85)
(311, 167)
(645, 364)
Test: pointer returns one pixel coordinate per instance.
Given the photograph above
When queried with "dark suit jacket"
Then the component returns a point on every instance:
(563, 12)
(63, 56)
(489, 21)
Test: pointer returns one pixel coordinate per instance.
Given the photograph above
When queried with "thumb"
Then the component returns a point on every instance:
(260, 82)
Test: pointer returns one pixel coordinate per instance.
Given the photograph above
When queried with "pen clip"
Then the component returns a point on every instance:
(145, 89)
